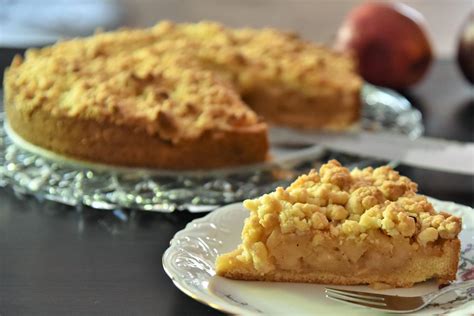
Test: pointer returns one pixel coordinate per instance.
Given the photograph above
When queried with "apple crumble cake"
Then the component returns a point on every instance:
(178, 96)
(339, 227)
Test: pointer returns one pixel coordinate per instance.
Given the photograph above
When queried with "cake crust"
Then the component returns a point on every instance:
(108, 143)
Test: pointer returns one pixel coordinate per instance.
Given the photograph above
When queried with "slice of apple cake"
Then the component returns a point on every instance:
(345, 227)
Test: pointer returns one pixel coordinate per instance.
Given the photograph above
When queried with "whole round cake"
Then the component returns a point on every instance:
(177, 96)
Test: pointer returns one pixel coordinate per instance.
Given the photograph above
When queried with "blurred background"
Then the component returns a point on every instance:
(59, 260)
(26, 23)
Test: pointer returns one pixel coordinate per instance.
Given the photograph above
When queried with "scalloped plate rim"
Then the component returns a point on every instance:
(214, 301)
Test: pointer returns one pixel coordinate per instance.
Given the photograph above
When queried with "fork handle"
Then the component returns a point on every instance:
(455, 286)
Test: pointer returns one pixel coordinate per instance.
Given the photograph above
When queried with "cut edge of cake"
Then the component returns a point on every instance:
(443, 269)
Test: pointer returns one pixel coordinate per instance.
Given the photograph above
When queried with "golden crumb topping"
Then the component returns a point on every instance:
(175, 80)
(351, 204)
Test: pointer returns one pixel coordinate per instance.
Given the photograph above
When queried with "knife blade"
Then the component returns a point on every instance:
(422, 152)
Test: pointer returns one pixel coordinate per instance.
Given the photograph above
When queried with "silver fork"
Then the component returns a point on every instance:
(393, 303)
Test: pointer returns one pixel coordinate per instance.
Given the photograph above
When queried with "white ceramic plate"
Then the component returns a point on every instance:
(189, 262)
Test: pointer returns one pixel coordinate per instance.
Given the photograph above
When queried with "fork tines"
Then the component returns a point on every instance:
(359, 298)
(394, 304)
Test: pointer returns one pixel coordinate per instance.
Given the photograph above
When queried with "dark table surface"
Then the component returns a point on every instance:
(58, 260)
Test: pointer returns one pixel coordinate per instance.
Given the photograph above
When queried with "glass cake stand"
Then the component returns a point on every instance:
(34, 171)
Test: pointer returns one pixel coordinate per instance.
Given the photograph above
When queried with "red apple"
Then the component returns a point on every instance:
(466, 49)
(389, 43)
